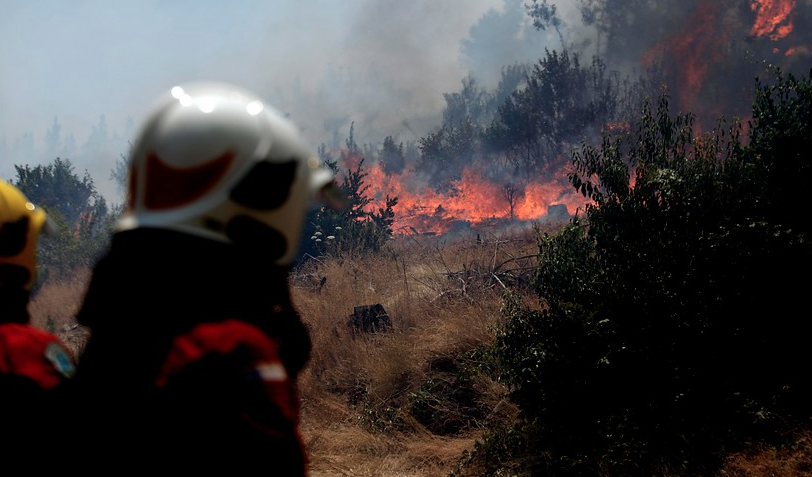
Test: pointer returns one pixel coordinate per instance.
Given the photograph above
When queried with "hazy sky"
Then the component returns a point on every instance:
(76, 60)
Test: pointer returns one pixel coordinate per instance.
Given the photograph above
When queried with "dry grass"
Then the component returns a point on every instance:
(340, 446)
(55, 305)
(443, 298)
(766, 461)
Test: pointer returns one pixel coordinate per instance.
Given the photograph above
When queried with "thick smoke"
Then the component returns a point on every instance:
(396, 64)
(77, 76)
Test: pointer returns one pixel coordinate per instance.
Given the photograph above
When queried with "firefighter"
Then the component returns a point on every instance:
(195, 345)
(34, 363)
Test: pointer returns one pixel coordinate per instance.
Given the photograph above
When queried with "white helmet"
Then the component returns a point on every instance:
(213, 160)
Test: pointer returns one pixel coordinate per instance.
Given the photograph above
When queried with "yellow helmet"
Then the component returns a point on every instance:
(20, 225)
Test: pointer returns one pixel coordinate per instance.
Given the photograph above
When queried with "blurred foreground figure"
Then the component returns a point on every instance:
(34, 364)
(195, 346)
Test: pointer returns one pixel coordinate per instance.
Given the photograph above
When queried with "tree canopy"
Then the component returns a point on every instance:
(80, 214)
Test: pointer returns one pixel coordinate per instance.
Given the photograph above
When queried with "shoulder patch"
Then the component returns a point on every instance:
(59, 357)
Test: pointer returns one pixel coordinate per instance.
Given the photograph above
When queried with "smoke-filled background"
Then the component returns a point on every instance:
(77, 76)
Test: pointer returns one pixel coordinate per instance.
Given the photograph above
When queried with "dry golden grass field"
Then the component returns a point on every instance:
(443, 298)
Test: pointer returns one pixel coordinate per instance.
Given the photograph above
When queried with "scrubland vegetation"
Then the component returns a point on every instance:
(661, 331)
(412, 401)
(409, 400)
(403, 401)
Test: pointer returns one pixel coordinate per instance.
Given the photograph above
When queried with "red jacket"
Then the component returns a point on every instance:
(35, 366)
(34, 354)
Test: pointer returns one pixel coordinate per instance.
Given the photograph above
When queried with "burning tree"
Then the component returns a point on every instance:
(707, 51)
(360, 227)
(499, 156)
(520, 134)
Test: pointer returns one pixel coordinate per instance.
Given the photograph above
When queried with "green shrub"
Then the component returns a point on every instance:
(668, 334)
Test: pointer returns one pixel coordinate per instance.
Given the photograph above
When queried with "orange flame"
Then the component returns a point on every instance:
(696, 48)
(472, 199)
(772, 18)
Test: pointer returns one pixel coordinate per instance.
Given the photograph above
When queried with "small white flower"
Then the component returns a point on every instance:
(331, 237)
(338, 228)
(318, 233)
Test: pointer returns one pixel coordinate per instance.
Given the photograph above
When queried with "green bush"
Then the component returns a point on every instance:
(670, 332)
